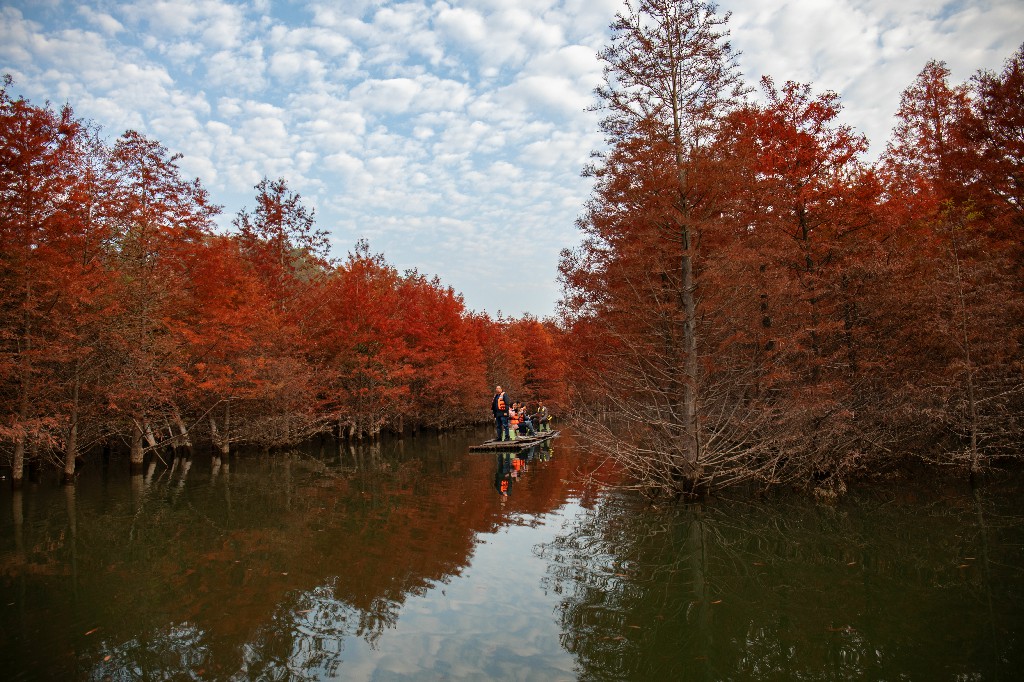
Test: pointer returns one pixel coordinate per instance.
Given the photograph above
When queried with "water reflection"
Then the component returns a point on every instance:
(403, 561)
(504, 475)
(510, 466)
(876, 588)
(287, 565)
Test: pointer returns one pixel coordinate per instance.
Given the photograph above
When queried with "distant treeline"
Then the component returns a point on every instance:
(125, 318)
(755, 303)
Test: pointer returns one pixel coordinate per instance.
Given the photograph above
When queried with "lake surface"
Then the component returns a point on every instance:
(402, 561)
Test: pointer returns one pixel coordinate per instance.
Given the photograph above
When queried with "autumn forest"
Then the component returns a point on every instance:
(754, 300)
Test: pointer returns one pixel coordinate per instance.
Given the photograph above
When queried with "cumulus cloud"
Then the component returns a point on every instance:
(101, 20)
(869, 51)
(431, 126)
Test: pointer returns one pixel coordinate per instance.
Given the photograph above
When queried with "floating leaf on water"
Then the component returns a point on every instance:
(717, 601)
(90, 632)
(107, 658)
(964, 566)
(852, 563)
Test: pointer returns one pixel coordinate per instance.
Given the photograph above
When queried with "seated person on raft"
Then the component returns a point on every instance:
(525, 423)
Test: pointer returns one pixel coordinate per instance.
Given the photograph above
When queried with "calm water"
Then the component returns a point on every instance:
(402, 561)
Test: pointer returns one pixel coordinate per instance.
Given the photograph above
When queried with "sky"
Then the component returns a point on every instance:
(451, 135)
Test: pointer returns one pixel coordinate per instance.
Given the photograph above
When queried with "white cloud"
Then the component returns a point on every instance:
(392, 95)
(292, 65)
(101, 20)
(871, 50)
(431, 125)
(238, 69)
(219, 24)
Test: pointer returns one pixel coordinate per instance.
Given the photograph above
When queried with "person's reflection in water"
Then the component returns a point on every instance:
(503, 475)
(525, 457)
(545, 451)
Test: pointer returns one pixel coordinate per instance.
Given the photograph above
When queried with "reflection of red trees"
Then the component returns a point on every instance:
(280, 536)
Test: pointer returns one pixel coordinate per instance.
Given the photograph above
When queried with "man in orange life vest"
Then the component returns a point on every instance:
(499, 406)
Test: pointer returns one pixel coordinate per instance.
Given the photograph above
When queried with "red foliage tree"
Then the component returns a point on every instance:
(37, 178)
(161, 220)
(361, 347)
(954, 263)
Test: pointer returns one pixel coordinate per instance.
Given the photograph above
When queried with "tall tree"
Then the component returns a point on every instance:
(360, 344)
(959, 261)
(37, 156)
(288, 253)
(804, 203)
(162, 220)
(670, 76)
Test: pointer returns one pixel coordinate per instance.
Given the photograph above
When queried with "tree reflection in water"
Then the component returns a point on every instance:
(250, 567)
(298, 567)
(874, 588)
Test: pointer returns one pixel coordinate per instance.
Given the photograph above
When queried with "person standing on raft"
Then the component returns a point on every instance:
(499, 406)
(542, 417)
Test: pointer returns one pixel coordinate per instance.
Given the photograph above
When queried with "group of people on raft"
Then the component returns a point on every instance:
(512, 418)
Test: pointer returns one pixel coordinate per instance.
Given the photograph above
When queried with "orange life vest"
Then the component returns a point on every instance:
(501, 402)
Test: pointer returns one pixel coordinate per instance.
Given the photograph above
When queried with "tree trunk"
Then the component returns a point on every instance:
(221, 441)
(71, 447)
(183, 437)
(688, 301)
(150, 436)
(137, 452)
(18, 517)
(18, 462)
(972, 405)
(225, 443)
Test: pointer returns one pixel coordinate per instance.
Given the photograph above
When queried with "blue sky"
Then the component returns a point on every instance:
(450, 135)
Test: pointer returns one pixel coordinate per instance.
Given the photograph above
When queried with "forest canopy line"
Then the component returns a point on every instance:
(126, 319)
(754, 302)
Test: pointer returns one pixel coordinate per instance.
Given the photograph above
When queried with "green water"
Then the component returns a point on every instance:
(403, 562)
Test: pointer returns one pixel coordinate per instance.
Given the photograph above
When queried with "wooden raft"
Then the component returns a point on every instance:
(520, 443)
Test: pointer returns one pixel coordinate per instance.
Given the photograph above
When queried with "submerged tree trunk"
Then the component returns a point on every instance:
(18, 462)
(137, 452)
(182, 436)
(71, 446)
(222, 440)
(25, 381)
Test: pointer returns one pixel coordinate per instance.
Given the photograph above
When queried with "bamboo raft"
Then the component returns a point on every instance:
(520, 443)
